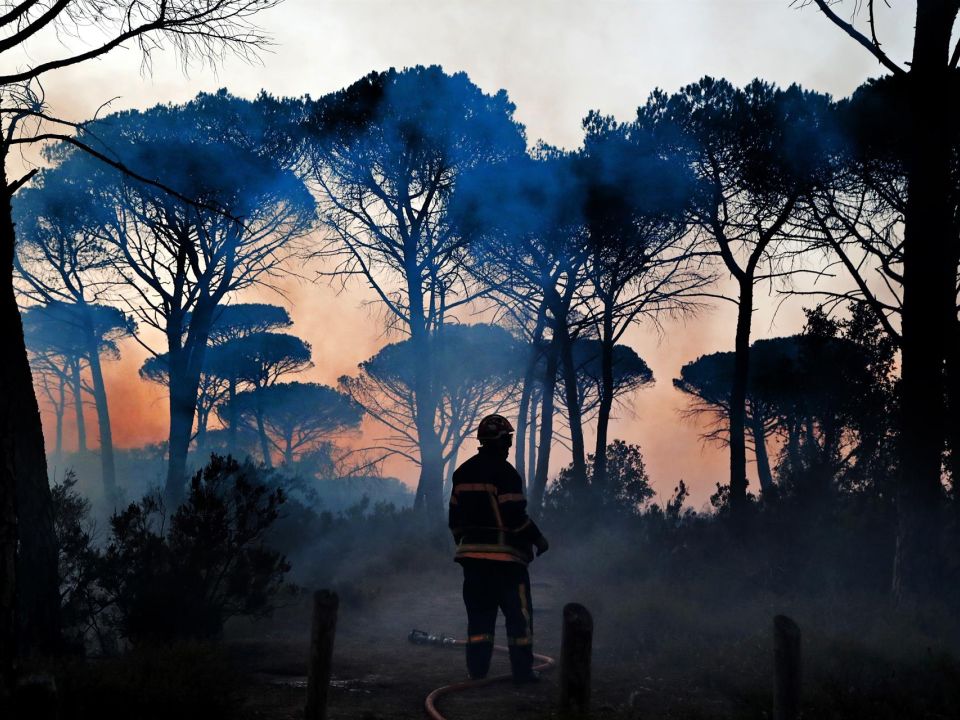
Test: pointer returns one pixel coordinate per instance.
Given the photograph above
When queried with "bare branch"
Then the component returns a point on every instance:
(849, 29)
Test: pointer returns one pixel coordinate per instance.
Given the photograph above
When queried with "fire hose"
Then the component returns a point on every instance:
(420, 637)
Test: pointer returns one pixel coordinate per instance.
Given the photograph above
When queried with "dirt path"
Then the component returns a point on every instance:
(379, 674)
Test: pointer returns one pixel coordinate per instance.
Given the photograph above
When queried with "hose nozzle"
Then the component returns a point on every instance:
(422, 637)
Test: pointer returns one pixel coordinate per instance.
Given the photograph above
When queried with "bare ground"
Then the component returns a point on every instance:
(379, 674)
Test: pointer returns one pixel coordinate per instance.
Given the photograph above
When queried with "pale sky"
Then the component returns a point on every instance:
(557, 59)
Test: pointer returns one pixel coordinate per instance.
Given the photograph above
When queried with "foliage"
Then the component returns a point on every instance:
(825, 396)
(297, 416)
(165, 577)
(630, 371)
(626, 491)
(81, 599)
(475, 369)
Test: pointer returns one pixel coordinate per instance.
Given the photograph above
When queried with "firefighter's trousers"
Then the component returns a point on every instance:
(489, 585)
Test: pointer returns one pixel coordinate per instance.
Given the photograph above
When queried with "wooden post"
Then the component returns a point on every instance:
(576, 646)
(786, 669)
(325, 604)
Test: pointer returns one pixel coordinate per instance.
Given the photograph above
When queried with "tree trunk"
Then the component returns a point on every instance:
(203, 419)
(77, 386)
(738, 403)
(929, 302)
(60, 409)
(546, 427)
(107, 464)
(29, 587)
(520, 438)
(529, 380)
(232, 417)
(288, 451)
(760, 450)
(451, 467)
(532, 440)
(262, 432)
(182, 407)
(606, 401)
(574, 411)
(186, 365)
(429, 497)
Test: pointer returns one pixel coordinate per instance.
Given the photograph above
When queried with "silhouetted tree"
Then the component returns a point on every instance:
(756, 151)
(184, 576)
(475, 372)
(626, 490)
(60, 260)
(929, 300)
(228, 356)
(51, 361)
(298, 417)
(642, 262)
(257, 361)
(197, 30)
(66, 337)
(386, 154)
(180, 260)
(824, 394)
(708, 379)
(525, 221)
(627, 372)
(235, 322)
(212, 388)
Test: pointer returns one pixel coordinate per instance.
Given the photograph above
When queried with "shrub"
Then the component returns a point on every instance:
(164, 578)
(626, 490)
(81, 599)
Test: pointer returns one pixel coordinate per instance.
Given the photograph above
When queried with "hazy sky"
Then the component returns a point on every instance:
(557, 59)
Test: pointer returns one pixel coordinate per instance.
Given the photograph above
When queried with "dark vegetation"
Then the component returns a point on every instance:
(145, 225)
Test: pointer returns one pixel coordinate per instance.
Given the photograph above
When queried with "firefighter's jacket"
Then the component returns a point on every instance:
(488, 512)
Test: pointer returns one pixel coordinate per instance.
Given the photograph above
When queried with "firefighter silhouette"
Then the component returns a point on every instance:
(495, 540)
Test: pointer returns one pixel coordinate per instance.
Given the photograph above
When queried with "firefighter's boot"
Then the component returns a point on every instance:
(521, 664)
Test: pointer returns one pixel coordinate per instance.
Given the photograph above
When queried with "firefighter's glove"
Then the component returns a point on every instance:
(542, 545)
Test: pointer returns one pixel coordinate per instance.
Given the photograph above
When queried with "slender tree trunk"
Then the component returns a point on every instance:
(793, 445)
(108, 467)
(520, 438)
(262, 432)
(929, 302)
(29, 587)
(529, 379)
(738, 403)
(182, 407)
(606, 401)
(546, 426)
(429, 497)
(288, 451)
(451, 467)
(186, 365)
(77, 386)
(574, 411)
(60, 410)
(760, 450)
(532, 440)
(203, 419)
(232, 417)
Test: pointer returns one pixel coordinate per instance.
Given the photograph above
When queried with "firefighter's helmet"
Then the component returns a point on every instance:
(494, 427)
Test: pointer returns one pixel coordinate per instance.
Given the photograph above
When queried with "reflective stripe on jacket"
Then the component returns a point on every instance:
(488, 512)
